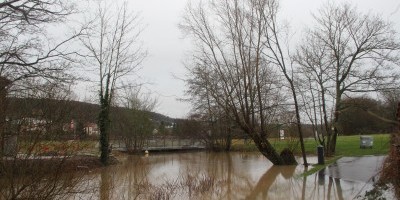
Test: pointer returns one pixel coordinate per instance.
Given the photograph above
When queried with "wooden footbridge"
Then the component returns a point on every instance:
(163, 145)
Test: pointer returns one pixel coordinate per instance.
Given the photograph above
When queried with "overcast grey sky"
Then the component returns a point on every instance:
(167, 47)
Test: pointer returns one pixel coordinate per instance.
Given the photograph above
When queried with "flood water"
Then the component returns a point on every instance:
(203, 175)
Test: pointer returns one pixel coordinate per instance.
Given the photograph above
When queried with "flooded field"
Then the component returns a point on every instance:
(203, 175)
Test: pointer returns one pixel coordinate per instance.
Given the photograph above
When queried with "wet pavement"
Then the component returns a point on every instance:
(364, 169)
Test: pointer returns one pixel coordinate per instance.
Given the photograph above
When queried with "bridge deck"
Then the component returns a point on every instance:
(167, 149)
(163, 145)
(175, 148)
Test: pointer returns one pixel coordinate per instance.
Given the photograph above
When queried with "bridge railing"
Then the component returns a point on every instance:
(161, 143)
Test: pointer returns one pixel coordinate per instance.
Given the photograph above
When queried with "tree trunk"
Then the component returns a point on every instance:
(3, 108)
(104, 121)
(265, 147)
(298, 123)
(228, 140)
(332, 135)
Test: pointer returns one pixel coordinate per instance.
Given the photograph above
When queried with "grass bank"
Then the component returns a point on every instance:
(346, 145)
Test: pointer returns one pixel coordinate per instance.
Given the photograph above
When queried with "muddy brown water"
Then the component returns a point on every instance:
(203, 175)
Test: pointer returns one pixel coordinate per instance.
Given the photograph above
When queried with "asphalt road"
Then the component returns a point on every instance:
(365, 168)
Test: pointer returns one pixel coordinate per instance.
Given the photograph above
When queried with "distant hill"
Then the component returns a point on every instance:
(161, 118)
(87, 112)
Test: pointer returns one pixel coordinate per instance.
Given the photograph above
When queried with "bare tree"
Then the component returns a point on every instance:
(391, 98)
(134, 123)
(26, 49)
(35, 122)
(229, 68)
(217, 124)
(29, 57)
(315, 69)
(277, 53)
(220, 129)
(34, 67)
(350, 52)
(114, 50)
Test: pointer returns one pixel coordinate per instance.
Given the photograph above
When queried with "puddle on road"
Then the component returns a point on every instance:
(203, 175)
(365, 169)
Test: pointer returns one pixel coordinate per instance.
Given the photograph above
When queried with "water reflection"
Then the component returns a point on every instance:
(205, 175)
(330, 188)
(105, 185)
(267, 180)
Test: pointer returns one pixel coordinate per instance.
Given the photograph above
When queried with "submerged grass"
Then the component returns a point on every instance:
(316, 167)
(184, 187)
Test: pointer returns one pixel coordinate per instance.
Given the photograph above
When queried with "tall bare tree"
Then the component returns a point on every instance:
(29, 57)
(277, 53)
(360, 53)
(35, 64)
(230, 70)
(115, 51)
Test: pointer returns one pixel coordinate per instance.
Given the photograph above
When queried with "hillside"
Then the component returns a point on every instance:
(50, 108)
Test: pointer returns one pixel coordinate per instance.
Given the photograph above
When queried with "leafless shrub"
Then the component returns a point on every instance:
(198, 184)
(161, 193)
(391, 168)
(33, 165)
(189, 186)
(39, 185)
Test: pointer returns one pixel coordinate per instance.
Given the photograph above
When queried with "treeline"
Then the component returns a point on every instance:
(365, 115)
(62, 112)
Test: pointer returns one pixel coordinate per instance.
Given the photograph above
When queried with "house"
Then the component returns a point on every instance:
(33, 124)
(91, 129)
(69, 127)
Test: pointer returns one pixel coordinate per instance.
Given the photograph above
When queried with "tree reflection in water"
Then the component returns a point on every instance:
(268, 179)
(105, 185)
